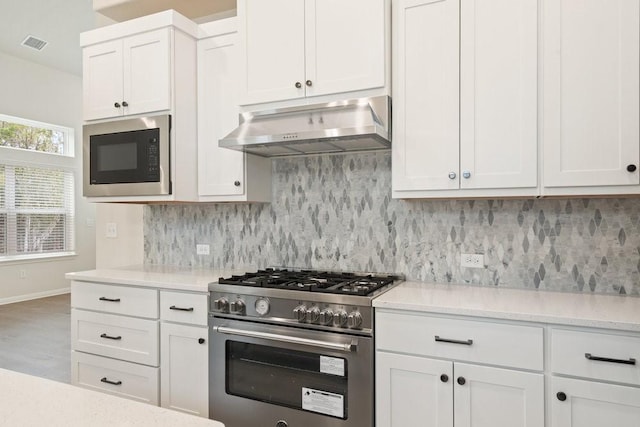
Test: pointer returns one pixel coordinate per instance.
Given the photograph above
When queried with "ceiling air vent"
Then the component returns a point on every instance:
(34, 43)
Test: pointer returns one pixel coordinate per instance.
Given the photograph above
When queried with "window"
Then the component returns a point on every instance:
(37, 172)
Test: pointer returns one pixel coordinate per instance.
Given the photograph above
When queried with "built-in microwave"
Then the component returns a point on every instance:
(129, 157)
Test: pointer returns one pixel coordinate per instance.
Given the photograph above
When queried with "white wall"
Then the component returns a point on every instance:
(128, 247)
(36, 92)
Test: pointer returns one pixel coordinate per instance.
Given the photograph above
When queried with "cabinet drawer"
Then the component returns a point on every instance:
(184, 307)
(123, 379)
(120, 337)
(596, 355)
(130, 301)
(469, 340)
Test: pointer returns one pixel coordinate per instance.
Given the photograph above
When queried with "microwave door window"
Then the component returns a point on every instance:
(117, 157)
(125, 157)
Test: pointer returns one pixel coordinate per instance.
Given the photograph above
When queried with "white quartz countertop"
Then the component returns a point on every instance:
(564, 308)
(159, 276)
(31, 401)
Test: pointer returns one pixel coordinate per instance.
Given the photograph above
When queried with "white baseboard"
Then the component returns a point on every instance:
(27, 297)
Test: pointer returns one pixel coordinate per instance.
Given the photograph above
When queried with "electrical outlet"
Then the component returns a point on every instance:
(472, 260)
(23, 274)
(202, 249)
(111, 230)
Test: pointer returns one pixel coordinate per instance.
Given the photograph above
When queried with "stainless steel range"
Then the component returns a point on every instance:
(293, 348)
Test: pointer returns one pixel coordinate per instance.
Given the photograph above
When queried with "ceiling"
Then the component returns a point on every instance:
(60, 22)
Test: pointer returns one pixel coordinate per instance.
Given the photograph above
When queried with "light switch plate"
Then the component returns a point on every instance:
(111, 231)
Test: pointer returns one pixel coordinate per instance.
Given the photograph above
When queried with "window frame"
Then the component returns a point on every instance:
(11, 158)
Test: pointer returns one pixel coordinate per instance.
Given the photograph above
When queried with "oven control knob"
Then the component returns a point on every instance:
(237, 307)
(313, 315)
(221, 305)
(354, 320)
(326, 316)
(340, 318)
(300, 313)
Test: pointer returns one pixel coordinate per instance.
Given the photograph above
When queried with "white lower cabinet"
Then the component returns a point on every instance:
(140, 343)
(410, 391)
(414, 391)
(579, 403)
(436, 386)
(124, 379)
(184, 366)
(596, 359)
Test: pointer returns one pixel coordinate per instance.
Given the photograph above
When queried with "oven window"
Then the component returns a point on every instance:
(296, 379)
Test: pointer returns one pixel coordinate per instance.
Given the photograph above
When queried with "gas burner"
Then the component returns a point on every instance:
(312, 281)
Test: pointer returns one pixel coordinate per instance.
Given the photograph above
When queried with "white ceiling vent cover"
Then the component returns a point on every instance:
(34, 43)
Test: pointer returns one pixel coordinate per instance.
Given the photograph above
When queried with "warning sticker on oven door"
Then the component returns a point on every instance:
(332, 365)
(323, 402)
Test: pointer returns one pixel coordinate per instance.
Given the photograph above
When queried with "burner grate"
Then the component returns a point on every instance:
(312, 281)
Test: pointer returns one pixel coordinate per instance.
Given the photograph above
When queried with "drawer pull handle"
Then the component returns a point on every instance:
(105, 380)
(109, 299)
(631, 361)
(561, 396)
(467, 342)
(173, 307)
(109, 337)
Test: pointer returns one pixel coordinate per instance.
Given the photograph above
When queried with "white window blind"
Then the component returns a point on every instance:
(37, 212)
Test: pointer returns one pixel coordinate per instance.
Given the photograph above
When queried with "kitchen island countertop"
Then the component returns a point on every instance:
(27, 401)
(562, 308)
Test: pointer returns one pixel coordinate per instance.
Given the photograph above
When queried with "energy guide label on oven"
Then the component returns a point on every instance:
(323, 402)
(332, 365)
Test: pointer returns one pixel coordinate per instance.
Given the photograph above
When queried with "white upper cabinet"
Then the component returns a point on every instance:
(498, 93)
(465, 98)
(591, 95)
(297, 48)
(127, 76)
(224, 174)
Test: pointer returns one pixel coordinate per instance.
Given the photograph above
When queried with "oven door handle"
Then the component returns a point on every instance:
(348, 347)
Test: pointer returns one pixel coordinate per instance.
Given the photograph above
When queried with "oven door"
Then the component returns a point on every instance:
(277, 376)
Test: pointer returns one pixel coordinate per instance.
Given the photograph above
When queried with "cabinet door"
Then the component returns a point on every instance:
(102, 80)
(426, 94)
(272, 46)
(147, 71)
(592, 404)
(498, 93)
(345, 50)
(410, 391)
(591, 92)
(493, 397)
(184, 368)
(218, 168)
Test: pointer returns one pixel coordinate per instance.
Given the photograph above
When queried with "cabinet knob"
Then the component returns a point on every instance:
(452, 175)
(561, 396)
(444, 378)
(298, 85)
(461, 381)
(466, 174)
(125, 104)
(631, 168)
(117, 105)
(236, 183)
(200, 340)
(309, 82)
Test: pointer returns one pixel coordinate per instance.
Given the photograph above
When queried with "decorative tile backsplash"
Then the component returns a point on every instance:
(336, 213)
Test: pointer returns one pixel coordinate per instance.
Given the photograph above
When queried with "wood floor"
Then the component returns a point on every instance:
(35, 337)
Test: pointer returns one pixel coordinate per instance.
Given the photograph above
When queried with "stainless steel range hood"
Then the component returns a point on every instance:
(353, 125)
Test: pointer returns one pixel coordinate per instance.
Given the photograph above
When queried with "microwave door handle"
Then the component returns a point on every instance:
(347, 347)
